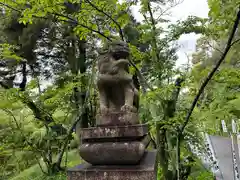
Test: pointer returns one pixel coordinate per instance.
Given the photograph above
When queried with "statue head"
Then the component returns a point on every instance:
(119, 50)
(114, 57)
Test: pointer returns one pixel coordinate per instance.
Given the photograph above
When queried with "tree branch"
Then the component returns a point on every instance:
(168, 8)
(37, 111)
(211, 74)
(217, 49)
(76, 121)
(75, 22)
(48, 55)
(10, 7)
(14, 118)
(141, 78)
(201, 89)
(30, 144)
(70, 20)
(5, 86)
(153, 29)
(234, 42)
(108, 16)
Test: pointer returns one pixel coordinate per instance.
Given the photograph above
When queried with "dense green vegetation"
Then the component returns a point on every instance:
(48, 53)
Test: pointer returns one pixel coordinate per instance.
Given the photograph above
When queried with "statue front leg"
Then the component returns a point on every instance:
(104, 105)
(129, 98)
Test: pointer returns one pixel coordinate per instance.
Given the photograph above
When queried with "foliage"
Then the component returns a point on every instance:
(222, 15)
(39, 122)
(35, 172)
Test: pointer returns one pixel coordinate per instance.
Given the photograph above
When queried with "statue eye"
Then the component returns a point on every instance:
(117, 56)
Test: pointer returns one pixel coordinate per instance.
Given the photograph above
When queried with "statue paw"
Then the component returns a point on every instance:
(127, 108)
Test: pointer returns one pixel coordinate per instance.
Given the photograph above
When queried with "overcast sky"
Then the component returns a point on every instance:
(181, 12)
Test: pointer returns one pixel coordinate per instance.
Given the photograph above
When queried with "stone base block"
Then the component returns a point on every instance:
(117, 118)
(130, 131)
(114, 153)
(145, 170)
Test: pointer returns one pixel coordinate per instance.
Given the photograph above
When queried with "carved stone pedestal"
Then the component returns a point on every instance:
(114, 145)
(145, 170)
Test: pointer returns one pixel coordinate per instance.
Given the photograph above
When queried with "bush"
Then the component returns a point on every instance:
(35, 173)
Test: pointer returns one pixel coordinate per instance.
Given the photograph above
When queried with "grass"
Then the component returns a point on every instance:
(35, 173)
(200, 173)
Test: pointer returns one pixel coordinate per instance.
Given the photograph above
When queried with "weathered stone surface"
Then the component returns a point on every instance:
(112, 153)
(117, 118)
(118, 138)
(145, 170)
(138, 130)
(119, 99)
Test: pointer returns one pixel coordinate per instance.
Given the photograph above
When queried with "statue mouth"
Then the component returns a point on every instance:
(121, 55)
